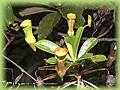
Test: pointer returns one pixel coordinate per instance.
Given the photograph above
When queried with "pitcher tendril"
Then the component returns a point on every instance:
(71, 20)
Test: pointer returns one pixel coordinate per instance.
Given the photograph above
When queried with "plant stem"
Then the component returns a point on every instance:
(67, 85)
(102, 39)
(22, 70)
(78, 82)
(95, 70)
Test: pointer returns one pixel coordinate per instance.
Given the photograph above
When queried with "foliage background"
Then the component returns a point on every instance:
(94, 3)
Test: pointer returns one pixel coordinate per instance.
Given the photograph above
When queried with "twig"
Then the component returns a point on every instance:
(8, 83)
(51, 67)
(90, 84)
(22, 70)
(5, 36)
(103, 39)
(103, 34)
(85, 38)
(49, 76)
(96, 70)
(18, 78)
(78, 82)
(34, 10)
(22, 83)
(34, 86)
(69, 84)
(94, 32)
(9, 41)
(17, 87)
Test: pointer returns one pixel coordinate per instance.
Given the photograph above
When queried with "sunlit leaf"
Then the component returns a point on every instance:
(78, 36)
(46, 46)
(87, 45)
(98, 58)
(29, 38)
(51, 60)
(47, 24)
(70, 44)
(86, 56)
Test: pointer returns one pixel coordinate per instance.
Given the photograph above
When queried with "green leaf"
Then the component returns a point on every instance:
(68, 57)
(68, 64)
(51, 60)
(75, 8)
(78, 36)
(86, 56)
(98, 58)
(47, 24)
(35, 10)
(9, 15)
(87, 45)
(46, 46)
(70, 44)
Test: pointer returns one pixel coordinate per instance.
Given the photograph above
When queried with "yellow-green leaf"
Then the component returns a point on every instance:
(68, 57)
(47, 46)
(87, 45)
(86, 56)
(51, 60)
(78, 36)
(68, 64)
(98, 58)
(70, 45)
